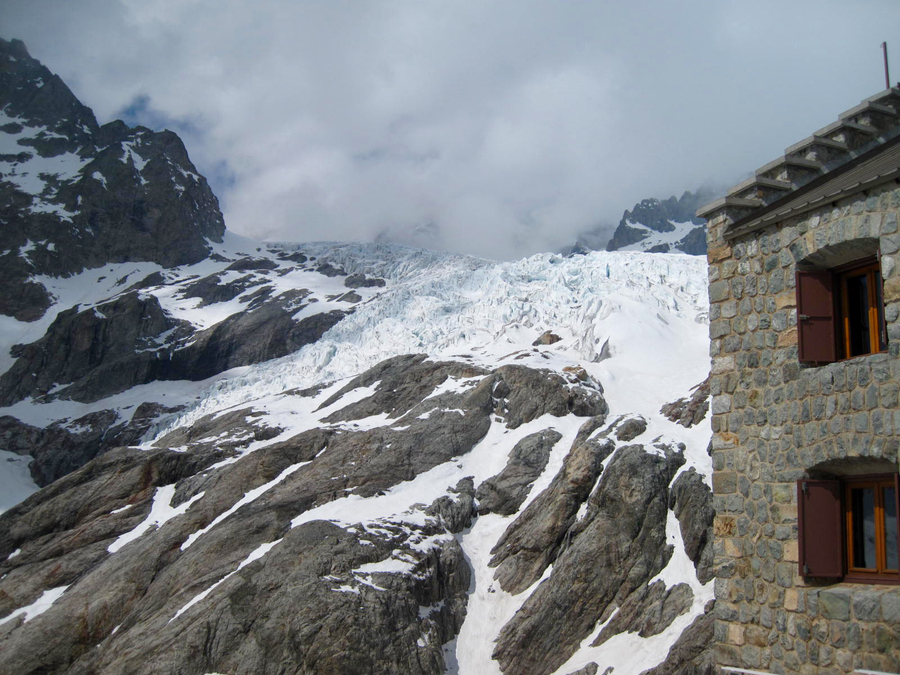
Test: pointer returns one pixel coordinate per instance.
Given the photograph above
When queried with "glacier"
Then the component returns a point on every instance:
(650, 311)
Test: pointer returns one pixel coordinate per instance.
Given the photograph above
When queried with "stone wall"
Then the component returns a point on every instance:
(774, 418)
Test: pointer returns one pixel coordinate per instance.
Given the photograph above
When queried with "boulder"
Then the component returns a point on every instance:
(630, 429)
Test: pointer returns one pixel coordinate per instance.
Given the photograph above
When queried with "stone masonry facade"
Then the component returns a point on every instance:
(773, 418)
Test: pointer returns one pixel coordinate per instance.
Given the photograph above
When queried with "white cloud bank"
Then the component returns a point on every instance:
(495, 128)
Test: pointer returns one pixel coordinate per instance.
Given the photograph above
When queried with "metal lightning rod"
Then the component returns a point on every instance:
(887, 77)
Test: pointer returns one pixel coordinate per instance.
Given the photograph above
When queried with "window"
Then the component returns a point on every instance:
(840, 312)
(871, 517)
(848, 528)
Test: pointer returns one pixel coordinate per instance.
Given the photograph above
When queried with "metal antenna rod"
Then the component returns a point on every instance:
(887, 77)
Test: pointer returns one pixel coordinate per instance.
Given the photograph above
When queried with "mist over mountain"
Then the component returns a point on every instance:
(222, 455)
(655, 226)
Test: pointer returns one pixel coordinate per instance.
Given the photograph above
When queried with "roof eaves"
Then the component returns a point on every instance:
(789, 205)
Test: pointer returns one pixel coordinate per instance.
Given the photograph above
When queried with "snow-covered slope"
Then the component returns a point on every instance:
(664, 241)
(635, 318)
(630, 317)
(631, 325)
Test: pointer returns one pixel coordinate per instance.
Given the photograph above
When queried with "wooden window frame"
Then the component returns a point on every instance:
(878, 483)
(825, 528)
(824, 313)
(871, 269)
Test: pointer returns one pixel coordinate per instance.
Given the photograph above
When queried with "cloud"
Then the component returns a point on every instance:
(495, 128)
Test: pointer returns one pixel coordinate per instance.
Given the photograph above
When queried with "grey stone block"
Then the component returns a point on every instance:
(834, 604)
(890, 606)
(866, 606)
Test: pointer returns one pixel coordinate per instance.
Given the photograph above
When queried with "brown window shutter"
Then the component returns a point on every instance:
(820, 528)
(815, 317)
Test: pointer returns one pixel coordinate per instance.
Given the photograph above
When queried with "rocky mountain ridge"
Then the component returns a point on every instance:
(655, 226)
(78, 195)
(328, 458)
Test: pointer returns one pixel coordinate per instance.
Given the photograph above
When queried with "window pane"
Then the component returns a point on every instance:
(857, 289)
(890, 528)
(863, 506)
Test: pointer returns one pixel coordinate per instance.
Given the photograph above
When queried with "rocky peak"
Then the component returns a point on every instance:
(75, 195)
(673, 216)
(654, 226)
(31, 92)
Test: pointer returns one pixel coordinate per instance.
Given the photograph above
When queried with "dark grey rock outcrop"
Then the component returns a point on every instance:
(690, 410)
(692, 653)
(691, 501)
(129, 341)
(659, 216)
(135, 196)
(649, 610)
(631, 429)
(505, 492)
(589, 669)
(611, 553)
(110, 343)
(522, 394)
(533, 540)
(227, 585)
(363, 281)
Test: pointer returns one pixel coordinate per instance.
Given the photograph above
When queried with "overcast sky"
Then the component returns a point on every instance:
(499, 128)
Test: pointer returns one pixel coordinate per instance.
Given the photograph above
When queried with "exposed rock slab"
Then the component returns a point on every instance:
(229, 583)
(692, 653)
(505, 492)
(620, 544)
(533, 540)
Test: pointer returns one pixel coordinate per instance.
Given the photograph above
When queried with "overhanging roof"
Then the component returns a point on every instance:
(871, 169)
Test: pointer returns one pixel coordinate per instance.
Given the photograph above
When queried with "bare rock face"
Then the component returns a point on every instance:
(110, 343)
(653, 215)
(522, 394)
(531, 543)
(690, 410)
(118, 194)
(589, 669)
(691, 500)
(505, 492)
(618, 545)
(129, 341)
(648, 611)
(692, 653)
(197, 556)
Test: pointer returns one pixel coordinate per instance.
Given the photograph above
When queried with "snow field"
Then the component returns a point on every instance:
(655, 238)
(647, 306)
